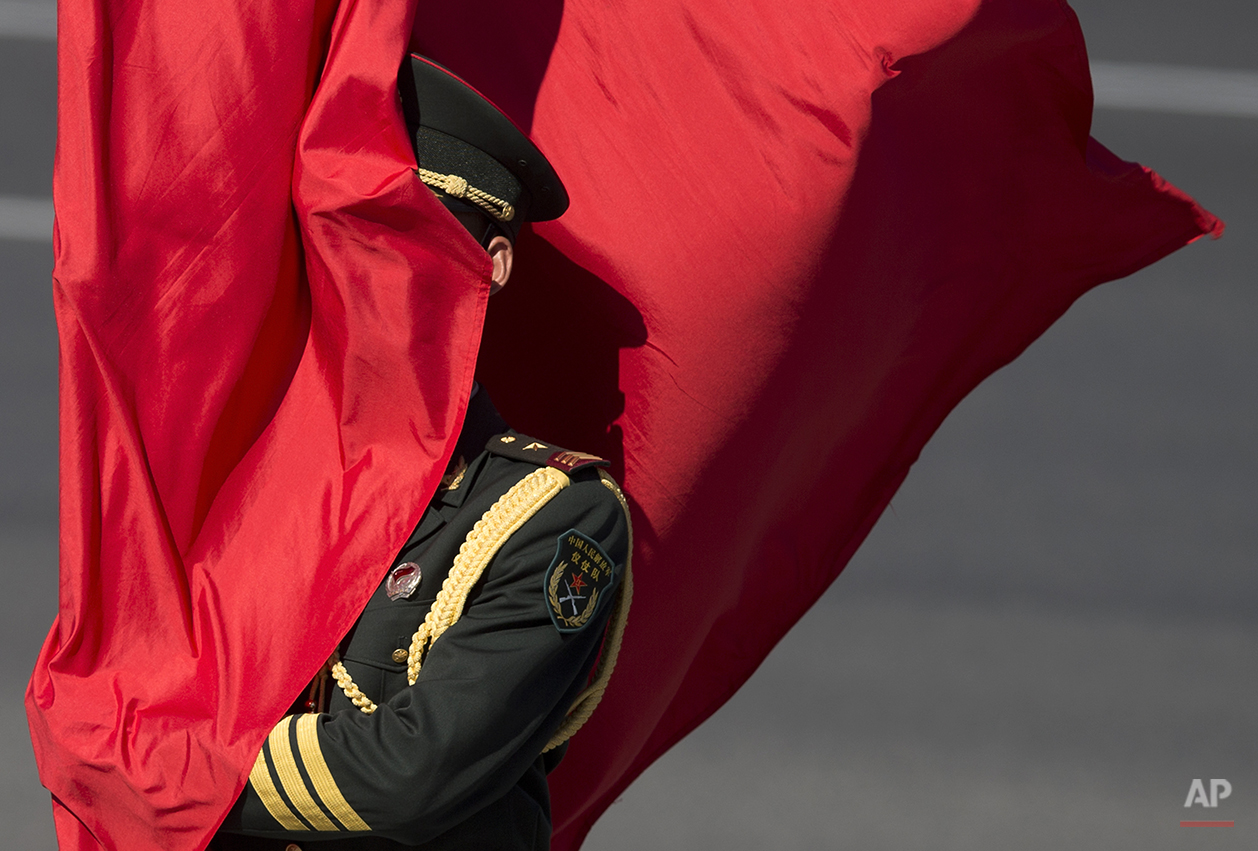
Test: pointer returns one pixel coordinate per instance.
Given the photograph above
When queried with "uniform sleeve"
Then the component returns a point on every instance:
(492, 691)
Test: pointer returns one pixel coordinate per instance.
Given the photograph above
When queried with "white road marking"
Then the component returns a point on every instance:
(28, 20)
(25, 218)
(1176, 89)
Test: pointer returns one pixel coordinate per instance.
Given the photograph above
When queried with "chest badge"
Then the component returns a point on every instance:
(578, 578)
(402, 580)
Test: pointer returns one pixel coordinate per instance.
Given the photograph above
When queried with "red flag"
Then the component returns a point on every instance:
(268, 332)
(799, 235)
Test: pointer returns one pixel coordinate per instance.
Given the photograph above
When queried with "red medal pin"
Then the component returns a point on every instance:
(402, 581)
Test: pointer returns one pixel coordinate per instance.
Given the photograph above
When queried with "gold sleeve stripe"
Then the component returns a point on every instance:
(260, 778)
(321, 775)
(290, 777)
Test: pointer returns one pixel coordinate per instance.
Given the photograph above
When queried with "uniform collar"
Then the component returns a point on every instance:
(480, 424)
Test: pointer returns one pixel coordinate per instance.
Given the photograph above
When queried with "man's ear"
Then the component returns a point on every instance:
(502, 253)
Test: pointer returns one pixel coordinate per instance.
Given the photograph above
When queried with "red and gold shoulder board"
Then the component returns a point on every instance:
(522, 448)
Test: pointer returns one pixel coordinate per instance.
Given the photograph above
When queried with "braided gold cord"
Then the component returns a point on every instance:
(587, 701)
(352, 691)
(512, 510)
(457, 187)
(493, 529)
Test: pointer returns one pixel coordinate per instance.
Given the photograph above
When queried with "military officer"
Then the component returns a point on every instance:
(454, 693)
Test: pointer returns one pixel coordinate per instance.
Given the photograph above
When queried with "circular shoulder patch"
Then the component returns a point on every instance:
(580, 575)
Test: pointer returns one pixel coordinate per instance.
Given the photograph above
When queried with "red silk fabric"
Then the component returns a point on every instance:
(268, 335)
(800, 234)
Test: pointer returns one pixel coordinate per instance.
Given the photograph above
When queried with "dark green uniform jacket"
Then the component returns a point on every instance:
(453, 761)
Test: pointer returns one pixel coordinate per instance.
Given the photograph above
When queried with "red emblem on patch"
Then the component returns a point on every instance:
(579, 576)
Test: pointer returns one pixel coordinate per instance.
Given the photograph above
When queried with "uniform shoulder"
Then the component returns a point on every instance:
(593, 501)
(519, 447)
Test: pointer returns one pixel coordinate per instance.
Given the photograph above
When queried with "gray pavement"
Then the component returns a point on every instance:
(1048, 636)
